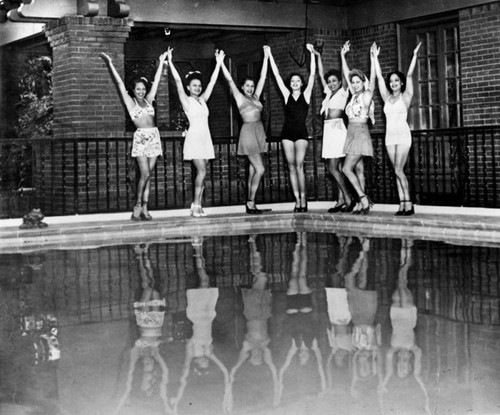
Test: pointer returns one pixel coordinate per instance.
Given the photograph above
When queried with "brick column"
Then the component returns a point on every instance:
(87, 105)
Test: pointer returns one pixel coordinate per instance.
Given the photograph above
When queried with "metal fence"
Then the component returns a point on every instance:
(456, 167)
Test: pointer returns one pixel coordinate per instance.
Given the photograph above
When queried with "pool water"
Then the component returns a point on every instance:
(295, 323)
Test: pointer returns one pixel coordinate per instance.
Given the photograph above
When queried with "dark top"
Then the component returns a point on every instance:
(295, 119)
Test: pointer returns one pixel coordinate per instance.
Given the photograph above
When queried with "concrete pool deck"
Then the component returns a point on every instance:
(458, 225)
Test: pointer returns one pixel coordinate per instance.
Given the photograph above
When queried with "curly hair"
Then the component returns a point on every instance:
(333, 72)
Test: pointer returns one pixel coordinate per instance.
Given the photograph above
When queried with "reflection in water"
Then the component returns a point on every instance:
(257, 312)
(323, 321)
(366, 335)
(302, 322)
(29, 343)
(200, 311)
(149, 313)
(404, 354)
(340, 333)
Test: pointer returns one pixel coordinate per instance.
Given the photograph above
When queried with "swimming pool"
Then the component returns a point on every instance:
(264, 323)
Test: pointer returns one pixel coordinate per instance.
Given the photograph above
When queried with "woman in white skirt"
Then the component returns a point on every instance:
(146, 146)
(334, 132)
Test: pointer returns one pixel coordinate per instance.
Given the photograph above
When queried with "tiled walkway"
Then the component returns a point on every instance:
(457, 225)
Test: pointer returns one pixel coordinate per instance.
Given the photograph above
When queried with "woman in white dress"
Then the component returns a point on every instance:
(198, 145)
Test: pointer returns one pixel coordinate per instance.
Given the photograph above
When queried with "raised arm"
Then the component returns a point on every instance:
(183, 97)
(408, 94)
(156, 81)
(129, 102)
(281, 85)
(312, 74)
(345, 68)
(263, 74)
(368, 95)
(372, 85)
(321, 69)
(219, 58)
(378, 71)
(238, 96)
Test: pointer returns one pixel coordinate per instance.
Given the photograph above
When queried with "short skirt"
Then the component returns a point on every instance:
(358, 141)
(198, 143)
(252, 139)
(146, 143)
(334, 136)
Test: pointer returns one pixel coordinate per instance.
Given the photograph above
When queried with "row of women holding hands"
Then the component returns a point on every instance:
(344, 148)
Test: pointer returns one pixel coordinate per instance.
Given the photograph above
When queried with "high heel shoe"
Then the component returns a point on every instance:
(339, 207)
(303, 208)
(145, 214)
(401, 212)
(410, 211)
(297, 209)
(366, 209)
(370, 202)
(351, 207)
(195, 212)
(136, 214)
(252, 211)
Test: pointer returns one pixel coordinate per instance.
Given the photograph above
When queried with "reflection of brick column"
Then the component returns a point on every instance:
(86, 105)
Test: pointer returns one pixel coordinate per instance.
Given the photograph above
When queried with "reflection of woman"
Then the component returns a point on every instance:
(200, 311)
(257, 311)
(366, 335)
(340, 334)
(302, 322)
(403, 315)
(149, 313)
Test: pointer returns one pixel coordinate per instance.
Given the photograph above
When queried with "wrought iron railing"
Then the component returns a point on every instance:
(456, 167)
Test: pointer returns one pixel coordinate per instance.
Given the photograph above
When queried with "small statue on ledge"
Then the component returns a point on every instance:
(33, 220)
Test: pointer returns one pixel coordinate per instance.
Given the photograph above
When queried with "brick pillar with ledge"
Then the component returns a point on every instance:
(88, 107)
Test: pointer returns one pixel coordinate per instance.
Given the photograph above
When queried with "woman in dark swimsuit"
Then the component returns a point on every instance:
(294, 134)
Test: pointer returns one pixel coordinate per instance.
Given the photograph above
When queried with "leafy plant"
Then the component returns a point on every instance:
(35, 106)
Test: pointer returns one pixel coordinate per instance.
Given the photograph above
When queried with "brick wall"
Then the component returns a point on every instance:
(285, 45)
(86, 103)
(480, 57)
